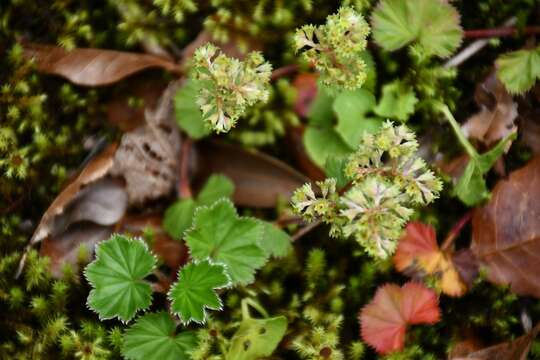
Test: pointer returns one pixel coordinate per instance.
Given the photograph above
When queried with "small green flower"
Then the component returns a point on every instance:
(229, 86)
(335, 47)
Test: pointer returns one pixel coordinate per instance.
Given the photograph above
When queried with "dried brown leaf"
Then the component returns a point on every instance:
(126, 116)
(517, 349)
(260, 180)
(64, 248)
(147, 157)
(95, 170)
(506, 231)
(497, 114)
(93, 67)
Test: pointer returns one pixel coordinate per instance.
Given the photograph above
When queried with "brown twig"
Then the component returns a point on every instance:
(184, 187)
(306, 229)
(503, 31)
(456, 230)
(284, 71)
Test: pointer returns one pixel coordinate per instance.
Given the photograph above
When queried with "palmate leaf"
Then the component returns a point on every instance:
(433, 24)
(153, 337)
(117, 278)
(219, 234)
(397, 102)
(179, 216)
(519, 70)
(194, 292)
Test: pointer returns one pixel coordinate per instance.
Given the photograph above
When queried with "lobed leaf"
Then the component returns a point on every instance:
(117, 278)
(219, 234)
(519, 70)
(153, 337)
(257, 338)
(433, 24)
(384, 320)
(194, 292)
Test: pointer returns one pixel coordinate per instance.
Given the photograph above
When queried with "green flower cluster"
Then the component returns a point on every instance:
(229, 85)
(386, 180)
(335, 47)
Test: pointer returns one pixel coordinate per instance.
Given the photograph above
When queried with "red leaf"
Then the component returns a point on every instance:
(419, 239)
(384, 320)
(418, 255)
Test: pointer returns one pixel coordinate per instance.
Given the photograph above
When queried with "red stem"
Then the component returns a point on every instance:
(456, 230)
(284, 71)
(184, 187)
(501, 32)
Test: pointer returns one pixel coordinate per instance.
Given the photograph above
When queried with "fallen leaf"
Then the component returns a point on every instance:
(418, 254)
(147, 157)
(65, 248)
(295, 145)
(497, 114)
(506, 231)
(260, 180)
(517, 349)
(93, 67)
(96, 169)
(122, 113)
(385, 319)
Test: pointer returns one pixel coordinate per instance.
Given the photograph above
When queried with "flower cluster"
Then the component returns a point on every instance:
(335, 47)
(386, 180)
(229, 85)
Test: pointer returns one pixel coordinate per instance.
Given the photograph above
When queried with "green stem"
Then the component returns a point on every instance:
(254, 304)
(457, 130)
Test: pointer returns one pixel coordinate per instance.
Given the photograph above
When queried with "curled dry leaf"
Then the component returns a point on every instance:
(65, 248)
(147, 157)
(517, 349)
(93, 67)
(259, 180)
(95, 170)
(506, 231)
(385, 319)
(418, 255)
(497, 114)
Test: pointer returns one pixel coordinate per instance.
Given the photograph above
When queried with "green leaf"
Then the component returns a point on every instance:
(257, 338)
(153, 337)
(216, 187)
(471, 187)
(117, 278)
(335, 168)
(320, 112)
(322, 143)
(178, 217)
(350, 108)
(188, 114)
(433, 24)
(371, 71)
(219, 234)
(195, 290)
(276, 242)
(519, 70)
(397, 102)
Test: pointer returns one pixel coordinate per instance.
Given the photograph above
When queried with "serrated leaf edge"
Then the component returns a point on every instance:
(130, 239)
(237, 217)
(205, 307)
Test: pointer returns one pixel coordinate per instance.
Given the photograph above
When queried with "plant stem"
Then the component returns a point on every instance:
(471, 151)
(501, 32)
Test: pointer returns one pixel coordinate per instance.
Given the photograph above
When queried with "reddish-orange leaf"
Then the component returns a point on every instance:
(384, 320)
(418, 254)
